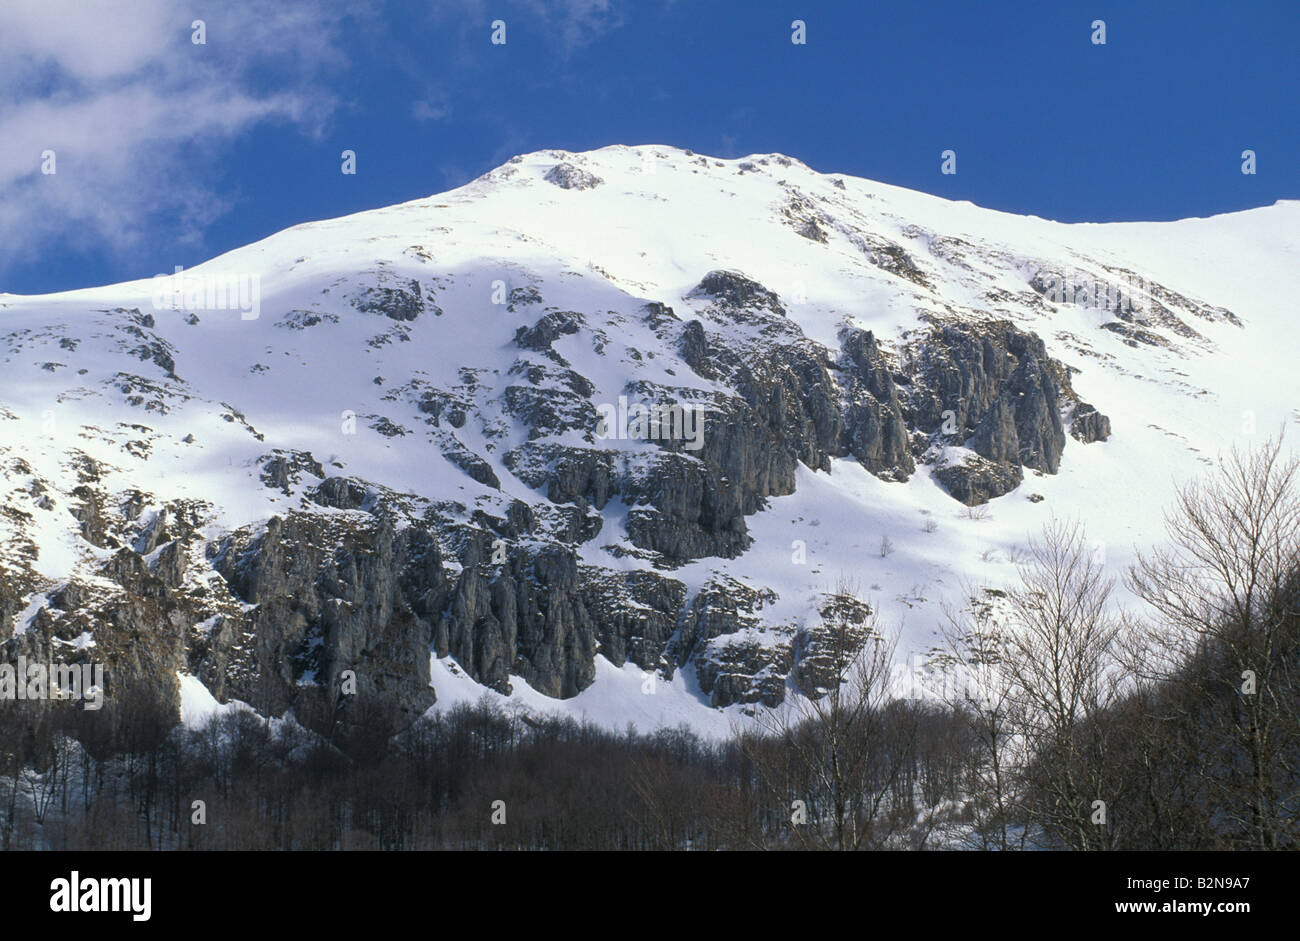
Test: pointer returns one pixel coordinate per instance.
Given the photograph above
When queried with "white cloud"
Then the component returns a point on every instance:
(139, 117)
(88, 41)
(126, 101)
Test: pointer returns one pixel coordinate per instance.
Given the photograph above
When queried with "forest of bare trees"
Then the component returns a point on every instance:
(1075, 724)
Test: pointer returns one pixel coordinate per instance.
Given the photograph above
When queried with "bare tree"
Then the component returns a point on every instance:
(977, 685)
(1225, 594)
(1162, 751)
(1060, 658)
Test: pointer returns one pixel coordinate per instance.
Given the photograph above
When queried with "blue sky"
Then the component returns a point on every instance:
(169, 153)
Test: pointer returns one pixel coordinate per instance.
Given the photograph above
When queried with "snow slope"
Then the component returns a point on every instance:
(83, 374)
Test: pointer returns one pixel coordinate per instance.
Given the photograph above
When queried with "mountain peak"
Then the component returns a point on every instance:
(605, 414)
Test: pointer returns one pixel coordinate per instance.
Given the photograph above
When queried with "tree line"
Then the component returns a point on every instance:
(1073, 724)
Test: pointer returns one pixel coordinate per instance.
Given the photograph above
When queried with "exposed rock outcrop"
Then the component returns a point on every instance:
(874, 429)
(567, 176)
(329, 595)
(405, 302)
(1088, 425)
(992, 388)
(731, 290)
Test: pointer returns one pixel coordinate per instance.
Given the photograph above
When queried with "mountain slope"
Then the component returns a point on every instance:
(420, 460)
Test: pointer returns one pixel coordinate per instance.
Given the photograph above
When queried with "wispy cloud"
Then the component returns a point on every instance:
(135, 111)
(433, 107)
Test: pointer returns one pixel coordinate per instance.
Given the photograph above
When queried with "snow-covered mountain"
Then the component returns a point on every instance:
(410, 443)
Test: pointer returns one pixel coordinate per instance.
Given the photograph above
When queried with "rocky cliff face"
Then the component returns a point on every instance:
(993, 389)
(307, 600)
